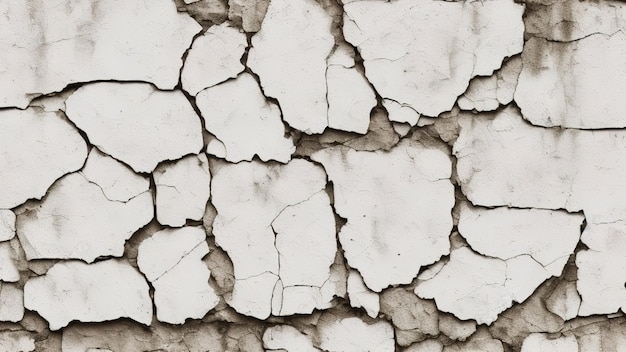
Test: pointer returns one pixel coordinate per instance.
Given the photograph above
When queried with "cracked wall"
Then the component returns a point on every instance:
(312, 175)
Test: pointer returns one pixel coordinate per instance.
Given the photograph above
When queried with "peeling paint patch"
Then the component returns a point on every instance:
(102, 40)
(182, 190)
(37, 148)
(77, 221)
(172, 262)
(379, 195)
(136, 123)
(284, 215)
(237, 110)
(424, 53)
(102, 291)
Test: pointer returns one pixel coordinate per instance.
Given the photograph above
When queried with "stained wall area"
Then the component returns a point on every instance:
(312, 175)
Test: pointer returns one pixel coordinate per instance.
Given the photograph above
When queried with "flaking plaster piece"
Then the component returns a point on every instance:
(602, 268)
(283, 213)
(544, 168)
(463, 40)
(539, 342)
(76, 221)
(287, 338)
(136, 123)
(350, 97)
(574, 85)
(47, 45)
(244, 123)
(172, 261)
(360, 296)
(11, 303)
(7, 225)
(521, 248)
(117, 181)
(488, 93)
(470, 286)
(213, 58)
(289, 54)
(355, 335)
(9, 271)
(182, 190)
(102, 291)
(400, 112)
(397, 205)
(544, 236)
(37, 148)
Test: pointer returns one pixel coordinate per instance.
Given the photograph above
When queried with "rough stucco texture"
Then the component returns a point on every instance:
(312, 175)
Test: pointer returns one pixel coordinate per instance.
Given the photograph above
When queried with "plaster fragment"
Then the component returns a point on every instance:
(249, 13)
(360, 296)
(47, 45)
(283, 213)
(213, 58)
(481, 95)
(379, 194)
(244, 123)
(37, 148)
(488, 93)
(544, 235)
(289, 54)
(542, 343)
(8, 263)
(117, 181)
(470, 286)
(7, 224)
(182, 190)
(11, 304)
(568, 169)
(76, 221)
(354, 335)
(350, 97)
(402, 129)
(172, 261)
(574, 85)
(602, 268)
(287, 338)
(524, 248)
(136, 123)
(464, 39)
(102, 291)
(400, 112)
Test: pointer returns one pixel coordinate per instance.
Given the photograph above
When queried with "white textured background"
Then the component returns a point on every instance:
(312, 175)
